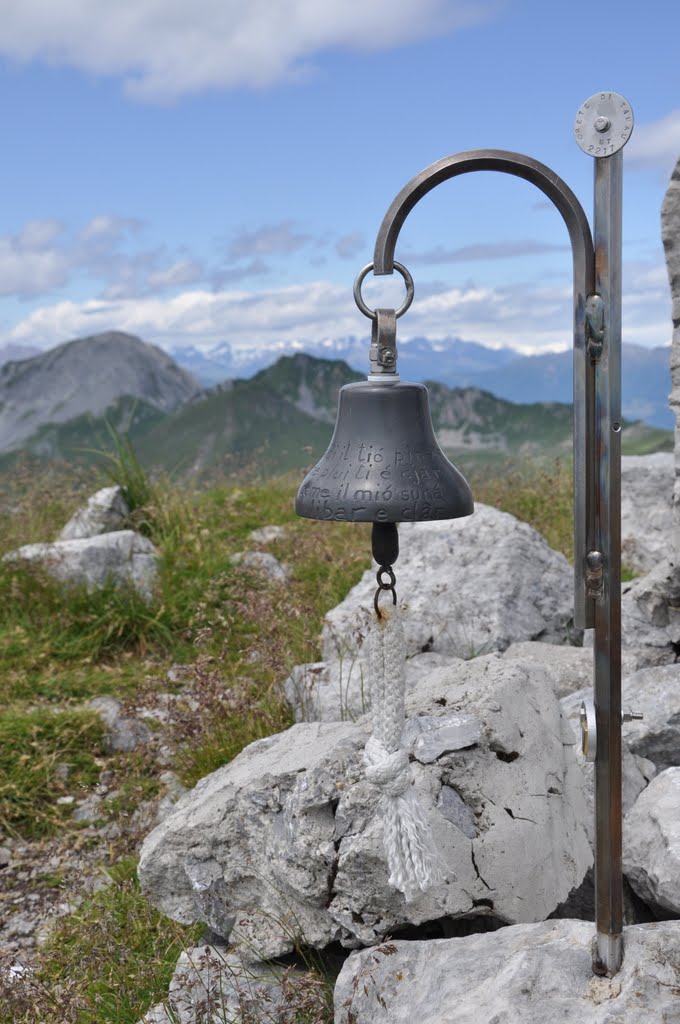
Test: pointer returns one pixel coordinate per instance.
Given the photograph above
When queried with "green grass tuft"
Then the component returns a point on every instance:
(32, 744)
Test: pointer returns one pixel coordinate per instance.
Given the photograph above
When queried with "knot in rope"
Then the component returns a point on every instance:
(390, 771)
(411, 855)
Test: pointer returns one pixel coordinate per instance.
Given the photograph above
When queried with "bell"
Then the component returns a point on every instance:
(384, 464)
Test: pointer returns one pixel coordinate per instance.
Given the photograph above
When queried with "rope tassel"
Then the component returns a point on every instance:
(411, 855)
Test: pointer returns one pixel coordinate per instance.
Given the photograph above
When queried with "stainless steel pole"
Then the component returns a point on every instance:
(603, 126)
(608, 813)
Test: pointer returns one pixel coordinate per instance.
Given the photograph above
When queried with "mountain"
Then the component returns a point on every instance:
(11, 352)
(282, 419)
(450, 360)
(503, 372)
(645, 382)
(86, 377)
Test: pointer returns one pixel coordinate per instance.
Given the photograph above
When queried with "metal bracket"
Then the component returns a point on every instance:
(594, 574)
(588, 725)
(594, 326)
(383, 351)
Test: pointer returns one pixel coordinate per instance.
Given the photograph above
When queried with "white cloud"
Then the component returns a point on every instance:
(268, 239)
(44, 257)
(32, 262)
(523, 317)
(656, 144)
(182, 272)
(166, 48)
(507, 250)
(350, 245)
(107, 228)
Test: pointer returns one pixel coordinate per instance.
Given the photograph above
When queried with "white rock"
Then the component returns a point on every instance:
(264, 563)
(89, 810)
(567, 667)
(105, 512)
(636, 771)
(651, 842)
(469, 586)
(670, 232)
(650, 617)
(646, 509)
(338, 691)
(123, 557)
(266, 534)
(122, 734)
(466, 587)
(286, 839)
(428, 737)
(527, 974)
(656, 693)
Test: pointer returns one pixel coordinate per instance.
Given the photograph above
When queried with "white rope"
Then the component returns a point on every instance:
(411, 855)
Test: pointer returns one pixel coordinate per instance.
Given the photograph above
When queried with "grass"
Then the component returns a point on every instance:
(33, 743)
(108, 961)
(539, 494)
(237, 638)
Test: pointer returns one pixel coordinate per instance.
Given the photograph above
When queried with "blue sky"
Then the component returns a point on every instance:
(217, 171)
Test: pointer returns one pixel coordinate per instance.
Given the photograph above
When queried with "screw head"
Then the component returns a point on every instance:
(602, 124)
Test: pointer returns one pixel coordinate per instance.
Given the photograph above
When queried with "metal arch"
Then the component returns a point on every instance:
(583, 255)
(506, 162)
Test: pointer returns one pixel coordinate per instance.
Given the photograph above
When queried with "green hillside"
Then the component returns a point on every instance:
(282, 419)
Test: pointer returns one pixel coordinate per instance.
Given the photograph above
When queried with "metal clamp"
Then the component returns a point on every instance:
(383, 351)
(372, 313)
(588, 730)
(594, 326)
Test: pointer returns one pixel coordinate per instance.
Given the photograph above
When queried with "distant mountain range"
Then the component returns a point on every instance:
(62, 403)
(646, 381)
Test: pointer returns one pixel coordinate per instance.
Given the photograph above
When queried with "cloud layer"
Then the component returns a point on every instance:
(166, 48)
(520, 316)
(656, 144)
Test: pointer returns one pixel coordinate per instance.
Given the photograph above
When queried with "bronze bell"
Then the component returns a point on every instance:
(384, 464)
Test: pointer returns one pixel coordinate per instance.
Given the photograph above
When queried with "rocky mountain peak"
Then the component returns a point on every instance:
(87, 375)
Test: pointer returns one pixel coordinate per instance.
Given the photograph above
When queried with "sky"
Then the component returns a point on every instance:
(217, 171)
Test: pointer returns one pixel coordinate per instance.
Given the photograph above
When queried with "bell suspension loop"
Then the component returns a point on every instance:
(411, 856)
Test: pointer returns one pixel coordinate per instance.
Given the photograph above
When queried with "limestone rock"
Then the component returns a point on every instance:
(670, 233)
(567, 667)
(122, 734)
(636, 770)
(527, 974)
(286, 840)
(646, 510)
(123, 557)
(469, 586)
(656, 693)
(264, 563)
(105, 512)
(338, 690)
(651, 842)
(650, 617)
(466, 587)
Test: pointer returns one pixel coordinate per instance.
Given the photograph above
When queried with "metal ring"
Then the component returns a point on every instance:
(377, 596)
(390, 574)
(371, 313)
